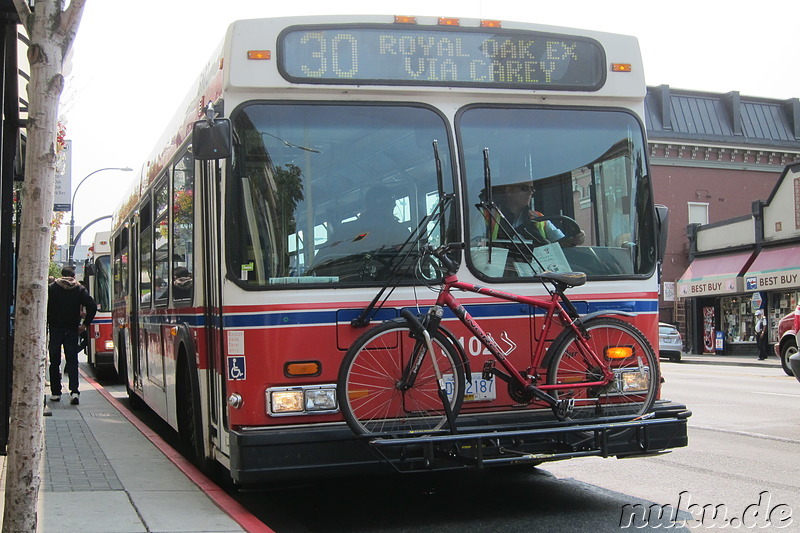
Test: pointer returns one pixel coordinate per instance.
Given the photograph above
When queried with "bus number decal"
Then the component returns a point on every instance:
(476, 348)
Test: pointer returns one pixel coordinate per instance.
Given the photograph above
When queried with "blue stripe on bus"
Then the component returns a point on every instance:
(343, 316)
(479, 311)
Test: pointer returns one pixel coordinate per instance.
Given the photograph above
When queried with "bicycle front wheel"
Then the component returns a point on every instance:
(621, 348)
(375, 394)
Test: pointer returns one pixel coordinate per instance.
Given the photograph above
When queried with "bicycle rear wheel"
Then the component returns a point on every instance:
(624, 350)
(371, 396)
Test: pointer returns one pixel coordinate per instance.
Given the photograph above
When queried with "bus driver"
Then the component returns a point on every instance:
(515, 202)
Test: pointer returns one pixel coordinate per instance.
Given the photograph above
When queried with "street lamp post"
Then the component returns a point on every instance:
(72, 210)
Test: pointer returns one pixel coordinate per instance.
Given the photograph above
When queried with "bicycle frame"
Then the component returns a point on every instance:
(552, 309)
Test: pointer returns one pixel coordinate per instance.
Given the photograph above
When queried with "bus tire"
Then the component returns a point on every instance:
(189, 427)
(122, 361)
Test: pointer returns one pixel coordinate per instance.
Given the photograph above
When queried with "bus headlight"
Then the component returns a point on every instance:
(303, 400)
(321, 400)
(109, 345)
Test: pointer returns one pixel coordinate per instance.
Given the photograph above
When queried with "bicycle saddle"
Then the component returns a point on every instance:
(570, 279)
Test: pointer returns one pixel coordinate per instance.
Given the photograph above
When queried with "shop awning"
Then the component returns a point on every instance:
(720, 274)
(774, 268)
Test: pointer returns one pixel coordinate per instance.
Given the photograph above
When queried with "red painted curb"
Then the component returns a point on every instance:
(231, 507)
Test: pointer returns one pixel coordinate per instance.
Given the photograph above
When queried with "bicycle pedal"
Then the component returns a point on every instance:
(565, 408)
(488, 370)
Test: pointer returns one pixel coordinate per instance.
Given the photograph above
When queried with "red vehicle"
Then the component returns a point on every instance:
(97, 276)
(786, 343)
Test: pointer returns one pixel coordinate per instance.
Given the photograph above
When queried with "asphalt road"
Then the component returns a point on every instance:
(743, 453)
(741, 470)
(742, 462)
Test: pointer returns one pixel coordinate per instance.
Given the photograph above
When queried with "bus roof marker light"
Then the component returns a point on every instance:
(403, 19)
(491, 24)
(259, 55)
(621, 67)
(449, 21)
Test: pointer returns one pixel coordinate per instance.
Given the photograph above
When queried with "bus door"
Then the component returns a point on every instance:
(134, 347)
(152, 288)
(212, 267)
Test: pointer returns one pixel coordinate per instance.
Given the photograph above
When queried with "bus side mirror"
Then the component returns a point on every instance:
(212, 139)
(662, 214)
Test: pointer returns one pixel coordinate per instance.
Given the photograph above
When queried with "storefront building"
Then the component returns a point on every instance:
(741, 265)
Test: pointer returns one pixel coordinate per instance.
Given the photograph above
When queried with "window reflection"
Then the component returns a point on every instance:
(329, 194)
(566, 189)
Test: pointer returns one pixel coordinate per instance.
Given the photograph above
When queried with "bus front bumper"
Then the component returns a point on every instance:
(262, 455)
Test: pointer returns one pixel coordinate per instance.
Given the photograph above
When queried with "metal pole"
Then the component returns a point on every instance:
(71, 241)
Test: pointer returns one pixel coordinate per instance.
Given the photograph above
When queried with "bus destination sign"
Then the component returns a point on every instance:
(445, 57)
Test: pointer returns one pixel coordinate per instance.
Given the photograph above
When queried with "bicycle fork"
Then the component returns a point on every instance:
(422, 335)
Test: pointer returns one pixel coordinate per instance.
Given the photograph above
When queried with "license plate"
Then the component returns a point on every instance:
(477, 389)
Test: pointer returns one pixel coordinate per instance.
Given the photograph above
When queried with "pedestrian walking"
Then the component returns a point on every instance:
(761, 335)
(66, 300)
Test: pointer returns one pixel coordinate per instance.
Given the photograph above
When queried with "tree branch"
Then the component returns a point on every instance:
(71, 18)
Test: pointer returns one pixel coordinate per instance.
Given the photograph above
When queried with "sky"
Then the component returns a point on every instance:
(134, 61)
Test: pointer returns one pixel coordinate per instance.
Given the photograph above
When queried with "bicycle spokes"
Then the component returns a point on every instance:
(391, 386)
(620, 378)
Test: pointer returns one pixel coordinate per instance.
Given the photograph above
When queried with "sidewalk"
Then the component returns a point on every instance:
(103, 471)
(736, 360)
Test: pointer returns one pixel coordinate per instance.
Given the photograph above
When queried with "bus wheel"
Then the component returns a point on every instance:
(122, 362)
(189, 429)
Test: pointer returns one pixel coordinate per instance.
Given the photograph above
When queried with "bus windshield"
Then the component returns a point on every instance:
(330, 193)
(570, 187)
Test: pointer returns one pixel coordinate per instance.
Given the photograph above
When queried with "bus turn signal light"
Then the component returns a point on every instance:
(306, 368)
(619, 352)
(259, 54)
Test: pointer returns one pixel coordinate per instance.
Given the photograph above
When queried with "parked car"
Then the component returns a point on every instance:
(670, 343)
(786, 342)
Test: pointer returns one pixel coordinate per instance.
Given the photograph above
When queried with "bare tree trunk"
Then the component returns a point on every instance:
(51, 31)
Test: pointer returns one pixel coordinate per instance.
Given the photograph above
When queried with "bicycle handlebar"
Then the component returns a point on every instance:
(440, 252)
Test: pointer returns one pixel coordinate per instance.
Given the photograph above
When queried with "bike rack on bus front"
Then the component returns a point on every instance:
(486, 446)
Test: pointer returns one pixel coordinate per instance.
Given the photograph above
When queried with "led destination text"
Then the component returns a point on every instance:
(369, 55)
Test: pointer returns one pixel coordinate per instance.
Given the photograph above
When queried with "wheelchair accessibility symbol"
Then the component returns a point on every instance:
(236, 368)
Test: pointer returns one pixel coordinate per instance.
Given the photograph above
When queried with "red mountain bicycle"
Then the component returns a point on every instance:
(407, 375)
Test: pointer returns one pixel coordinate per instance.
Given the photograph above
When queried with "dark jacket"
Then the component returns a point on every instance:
(64, 301)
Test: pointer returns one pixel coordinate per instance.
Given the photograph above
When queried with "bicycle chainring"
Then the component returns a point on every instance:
(519, 394)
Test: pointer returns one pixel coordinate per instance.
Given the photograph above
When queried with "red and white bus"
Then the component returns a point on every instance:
(97, 276)
(237, 275)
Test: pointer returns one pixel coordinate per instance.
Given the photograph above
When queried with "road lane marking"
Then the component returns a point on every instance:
(746, 434)
(778, 394)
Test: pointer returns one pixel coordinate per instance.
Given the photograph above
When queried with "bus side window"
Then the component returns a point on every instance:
(161, 243)
(182, 242)
(145, 257)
